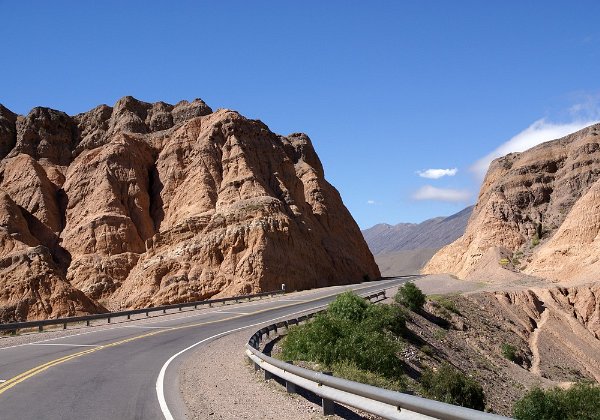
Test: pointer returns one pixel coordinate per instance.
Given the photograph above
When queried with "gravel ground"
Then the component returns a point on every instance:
(217, 382)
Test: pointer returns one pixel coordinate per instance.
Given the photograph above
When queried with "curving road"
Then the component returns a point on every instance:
(128, 369)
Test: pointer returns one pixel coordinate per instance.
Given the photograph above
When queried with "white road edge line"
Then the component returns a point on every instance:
(160, 386)
(2, 380)
(160, 381)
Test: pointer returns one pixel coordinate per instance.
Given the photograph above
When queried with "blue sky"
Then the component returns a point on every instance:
(386, 90)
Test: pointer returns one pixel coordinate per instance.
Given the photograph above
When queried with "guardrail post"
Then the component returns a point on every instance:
(268, 375)
(108, 319)
(164, 311)
(146, 313)
(128, 316)
(180, 309)
(87, 323)
(40, 328)
(328, 405)
(65, 326)
(290, 387)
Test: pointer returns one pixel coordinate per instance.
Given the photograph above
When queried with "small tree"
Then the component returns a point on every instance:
(410, 296)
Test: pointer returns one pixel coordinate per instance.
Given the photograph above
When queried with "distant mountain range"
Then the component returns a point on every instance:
(430, 234)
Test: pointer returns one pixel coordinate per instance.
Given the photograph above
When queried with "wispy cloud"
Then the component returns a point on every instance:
(441, 194)
(370, 202)
(538, 132)
(437, 173)
(584, 112)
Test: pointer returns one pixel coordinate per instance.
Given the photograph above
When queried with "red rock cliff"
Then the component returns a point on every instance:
(146, 204)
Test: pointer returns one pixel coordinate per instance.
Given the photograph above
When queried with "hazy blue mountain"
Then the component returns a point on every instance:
(430, 234)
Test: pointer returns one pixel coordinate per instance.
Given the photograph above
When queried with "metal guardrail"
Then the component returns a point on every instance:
(14, 326)
(382, 402)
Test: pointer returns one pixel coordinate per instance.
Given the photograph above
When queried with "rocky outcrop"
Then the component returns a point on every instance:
(145, 204)
(537, 214)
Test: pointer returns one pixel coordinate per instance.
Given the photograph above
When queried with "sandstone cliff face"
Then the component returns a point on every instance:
(538, 213)
(146, 204)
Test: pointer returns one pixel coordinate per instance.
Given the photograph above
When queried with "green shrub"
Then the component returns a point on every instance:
(509, 352)
(452, 386)
(581, 402)
(350, 371)
(410, 296)
(352, 331)
(535, 241)
(504, 261)
(348, 306)
(390, 318)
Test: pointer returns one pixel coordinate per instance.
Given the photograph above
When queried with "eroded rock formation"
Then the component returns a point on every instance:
(145, 204)
(538, 213)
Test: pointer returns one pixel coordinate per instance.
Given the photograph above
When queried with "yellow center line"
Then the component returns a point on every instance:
(5, 386)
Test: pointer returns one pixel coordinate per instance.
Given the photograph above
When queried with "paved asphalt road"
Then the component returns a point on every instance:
(112, 372)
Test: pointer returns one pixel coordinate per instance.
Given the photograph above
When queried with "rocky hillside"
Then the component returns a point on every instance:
(511, 341)
(430, 234)
(144, 204)
(538, 213)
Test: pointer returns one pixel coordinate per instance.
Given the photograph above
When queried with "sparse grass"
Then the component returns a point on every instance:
(440, 334)
(535, 241)
(504, 262)
(446, 302)
(509, 352)
(350, 371)
(427, 349)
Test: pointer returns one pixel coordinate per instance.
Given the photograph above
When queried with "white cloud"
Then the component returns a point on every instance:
(441, 194)
(538, 132)
(437, 173)
(370, 201)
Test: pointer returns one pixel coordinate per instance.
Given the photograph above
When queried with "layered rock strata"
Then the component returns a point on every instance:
(144, 204)
(538, 214)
